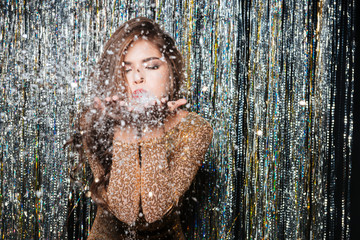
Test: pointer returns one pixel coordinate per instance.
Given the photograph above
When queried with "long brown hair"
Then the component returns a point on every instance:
(108, 79)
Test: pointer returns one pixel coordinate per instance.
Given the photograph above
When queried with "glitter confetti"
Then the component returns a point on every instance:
(274, 78)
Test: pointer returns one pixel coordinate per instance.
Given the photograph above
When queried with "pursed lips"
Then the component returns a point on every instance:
(138, 92)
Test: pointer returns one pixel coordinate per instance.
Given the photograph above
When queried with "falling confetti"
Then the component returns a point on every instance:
(274, 78)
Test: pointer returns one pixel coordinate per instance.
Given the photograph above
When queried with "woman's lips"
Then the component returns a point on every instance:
(138, 93)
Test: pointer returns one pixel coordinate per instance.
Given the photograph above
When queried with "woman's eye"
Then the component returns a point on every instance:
(127, 70)
(153, 67)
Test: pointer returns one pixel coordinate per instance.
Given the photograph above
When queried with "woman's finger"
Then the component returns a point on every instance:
(163, 100)
(107, 100)
(173, 105)
(115, 98)
(98, 104)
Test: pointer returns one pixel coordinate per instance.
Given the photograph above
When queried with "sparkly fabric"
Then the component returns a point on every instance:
(141, 193)
(107, 227)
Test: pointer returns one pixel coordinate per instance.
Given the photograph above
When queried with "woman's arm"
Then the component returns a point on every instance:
(164, 183)
(85, 125)
(95, 166)
(189, 156)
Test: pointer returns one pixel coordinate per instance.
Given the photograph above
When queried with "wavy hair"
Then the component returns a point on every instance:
(108, 79)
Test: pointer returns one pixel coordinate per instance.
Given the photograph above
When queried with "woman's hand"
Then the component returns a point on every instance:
(99, 105)
(111, 107)
(174, 105)
(118, 110)
(114, 100)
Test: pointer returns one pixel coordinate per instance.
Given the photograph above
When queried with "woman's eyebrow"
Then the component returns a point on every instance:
(144, 60)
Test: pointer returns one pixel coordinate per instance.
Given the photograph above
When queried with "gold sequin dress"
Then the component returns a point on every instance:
(148, 179)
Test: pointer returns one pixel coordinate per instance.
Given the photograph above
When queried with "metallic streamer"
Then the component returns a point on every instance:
(274, 78)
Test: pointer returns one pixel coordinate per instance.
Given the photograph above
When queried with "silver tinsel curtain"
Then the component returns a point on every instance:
(274, 78)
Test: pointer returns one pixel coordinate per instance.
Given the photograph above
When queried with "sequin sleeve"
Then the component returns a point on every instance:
(123, 192)
(95, 166)
(189, 155)
(169, 165)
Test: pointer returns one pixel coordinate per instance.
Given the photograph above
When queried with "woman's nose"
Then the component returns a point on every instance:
(139, 77)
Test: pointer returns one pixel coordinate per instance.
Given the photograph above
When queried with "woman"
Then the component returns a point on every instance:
(143, 150)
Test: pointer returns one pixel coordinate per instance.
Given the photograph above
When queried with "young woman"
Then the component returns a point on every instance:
(143, 150)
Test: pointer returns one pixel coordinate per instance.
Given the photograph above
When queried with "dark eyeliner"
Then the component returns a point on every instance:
(154, 67)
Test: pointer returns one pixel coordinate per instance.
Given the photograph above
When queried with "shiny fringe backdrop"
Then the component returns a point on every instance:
(274, 78)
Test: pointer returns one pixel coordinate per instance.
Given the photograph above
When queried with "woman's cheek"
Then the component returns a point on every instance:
(157, 81)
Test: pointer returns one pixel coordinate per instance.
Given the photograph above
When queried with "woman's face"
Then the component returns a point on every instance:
(146, 70)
